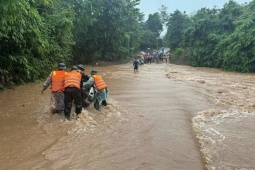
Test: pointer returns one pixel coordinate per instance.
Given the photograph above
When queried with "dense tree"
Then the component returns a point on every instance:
(201, 37)
(35, 35)
(22, 41)
(176, 25)
(238, 51)
(154, 24)
(111, 33)
(151, 30)
(220, 38)
(149, 40)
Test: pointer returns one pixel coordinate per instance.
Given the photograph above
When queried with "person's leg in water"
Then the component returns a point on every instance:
(77, 102)
(68, 104)
(104, 103)
(135, 68)
(96, 105)
(105, 97)
(59, 105)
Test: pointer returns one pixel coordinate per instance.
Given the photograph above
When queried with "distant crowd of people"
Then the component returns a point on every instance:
(152, 56)
(70, 87)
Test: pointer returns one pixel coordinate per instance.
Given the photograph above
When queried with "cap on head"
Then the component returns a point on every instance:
(61, 66)
(74, 68)
(81, 67)
(93, 72)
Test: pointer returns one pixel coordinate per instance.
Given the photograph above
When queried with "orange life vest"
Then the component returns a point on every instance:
(99, 82)
(73, 79)
(57, 80)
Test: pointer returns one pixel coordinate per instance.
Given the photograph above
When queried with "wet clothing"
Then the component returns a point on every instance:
(136, 65)
(72, 93)
(99, 82)
(84, 76)
(73, 79)
(84, 79)
(57, 101)
(101, 96)
(56, 80)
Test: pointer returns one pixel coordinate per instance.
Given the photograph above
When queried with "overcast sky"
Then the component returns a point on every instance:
(190, 6)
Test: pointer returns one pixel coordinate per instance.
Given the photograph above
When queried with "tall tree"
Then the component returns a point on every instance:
(228, 20)
(154, 23)
(201, 37)
(34, 35)
(112, 32)
(176, 25)
(238, 47)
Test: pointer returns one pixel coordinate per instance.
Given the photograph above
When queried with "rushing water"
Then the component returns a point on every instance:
(163, 117)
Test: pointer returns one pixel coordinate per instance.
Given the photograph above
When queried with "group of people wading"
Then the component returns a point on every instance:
(151, 57)
(68, 88)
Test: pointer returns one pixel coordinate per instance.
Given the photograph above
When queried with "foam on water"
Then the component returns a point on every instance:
(225, 132)
(225, 140)
(80, 133)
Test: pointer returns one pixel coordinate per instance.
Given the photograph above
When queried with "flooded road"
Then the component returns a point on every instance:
(163, 117)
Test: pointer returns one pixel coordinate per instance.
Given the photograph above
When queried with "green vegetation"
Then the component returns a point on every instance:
(221, 38)
(35, 35)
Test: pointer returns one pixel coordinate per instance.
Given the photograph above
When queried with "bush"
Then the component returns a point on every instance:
(180, 56)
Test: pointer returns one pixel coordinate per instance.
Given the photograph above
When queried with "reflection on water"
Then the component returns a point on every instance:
(149, 123)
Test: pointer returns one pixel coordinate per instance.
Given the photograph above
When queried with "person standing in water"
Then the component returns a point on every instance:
(56, 80)
(84, 78)
(72, 86)
(136, 65)
(101, 95)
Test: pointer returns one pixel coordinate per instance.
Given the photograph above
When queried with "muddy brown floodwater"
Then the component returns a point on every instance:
(163, 117)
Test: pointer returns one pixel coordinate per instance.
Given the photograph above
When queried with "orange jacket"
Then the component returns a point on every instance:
(57, 81)
(73, 79)
(99, 82)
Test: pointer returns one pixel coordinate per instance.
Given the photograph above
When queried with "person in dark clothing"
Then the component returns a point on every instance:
(84, 94)
(82, 71)
(72, 92)
(136, 65)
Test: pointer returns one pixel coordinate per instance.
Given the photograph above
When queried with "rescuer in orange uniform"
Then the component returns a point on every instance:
(56, 80)
(101, 95)
(72, 86)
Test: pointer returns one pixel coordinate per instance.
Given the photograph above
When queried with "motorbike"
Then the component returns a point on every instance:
(88, 96)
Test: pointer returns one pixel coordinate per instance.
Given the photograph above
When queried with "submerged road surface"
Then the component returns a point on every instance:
(147, 125)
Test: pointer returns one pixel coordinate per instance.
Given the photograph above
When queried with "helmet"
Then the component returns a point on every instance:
(93, 72)
(81, 67)
(74, 68)
(61, 66)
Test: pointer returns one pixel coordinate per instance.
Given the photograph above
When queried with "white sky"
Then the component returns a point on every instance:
(190, 6)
